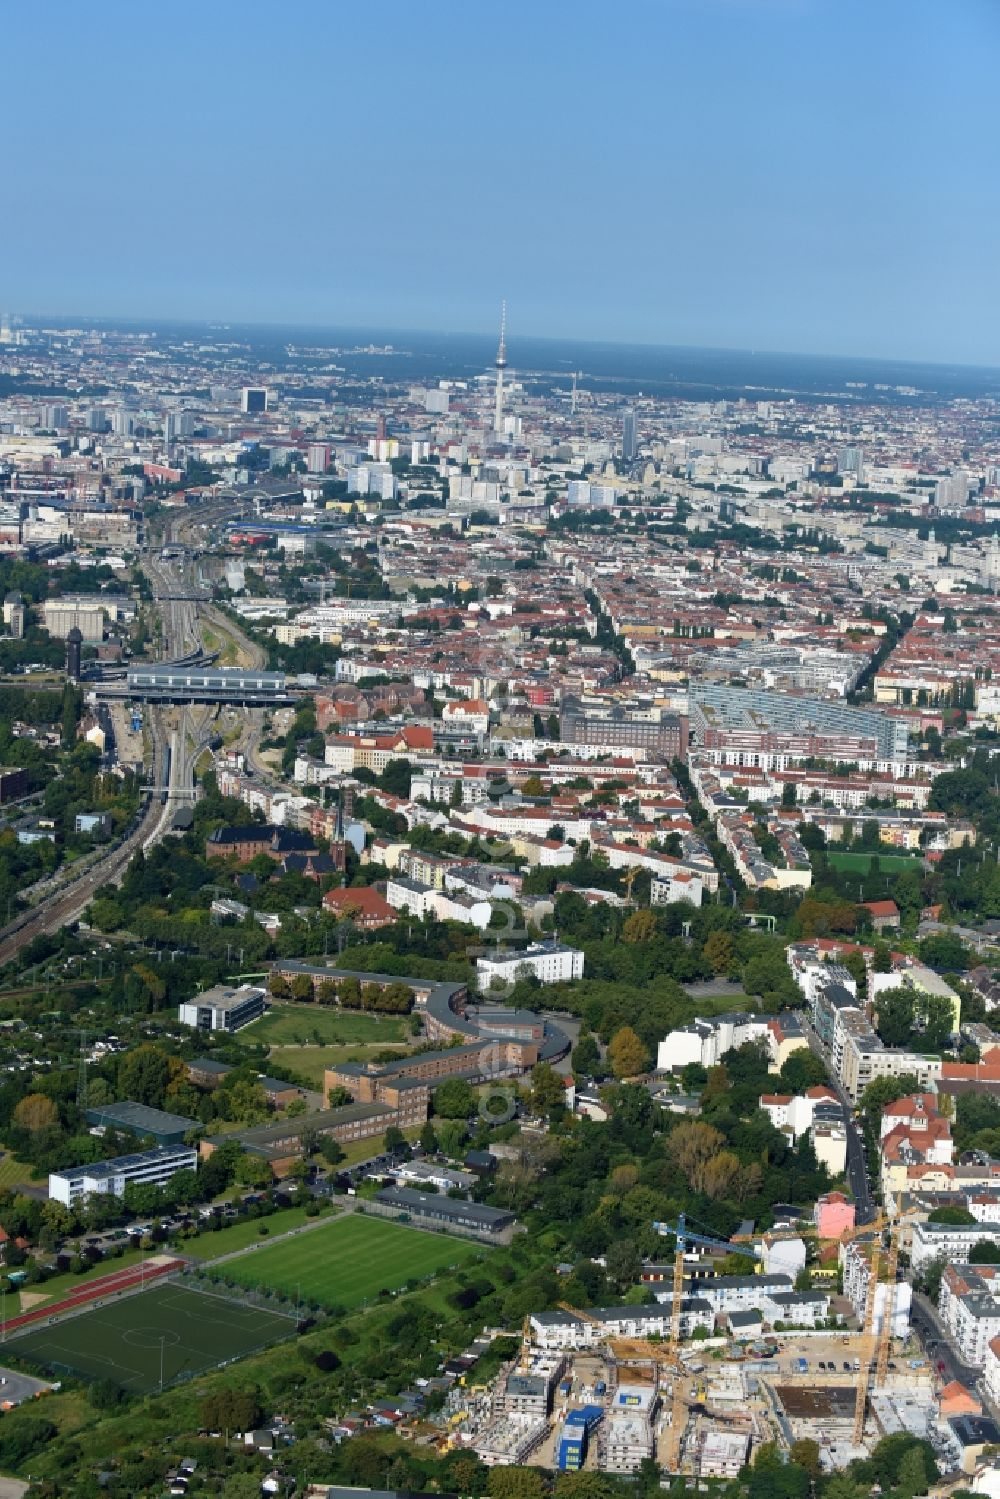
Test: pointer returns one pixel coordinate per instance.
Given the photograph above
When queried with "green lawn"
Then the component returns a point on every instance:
(287, 1024)
(173, 1328)
(208, 1246)
(12, 1171)
(861, 863)
(311, 1062)
(349, 1261)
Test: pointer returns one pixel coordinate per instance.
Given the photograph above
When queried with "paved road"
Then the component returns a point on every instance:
(938, 1345)
(857, 1166)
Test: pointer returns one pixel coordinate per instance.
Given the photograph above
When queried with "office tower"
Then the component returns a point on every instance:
(122, 423)
(96, 419)
(629, 444)
(318, 457)
(254, 400)
(501, 366)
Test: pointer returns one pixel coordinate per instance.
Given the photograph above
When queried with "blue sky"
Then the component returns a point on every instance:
(809, 175)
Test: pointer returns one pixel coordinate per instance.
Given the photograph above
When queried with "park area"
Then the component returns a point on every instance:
(349, 1261)
(147, 1341)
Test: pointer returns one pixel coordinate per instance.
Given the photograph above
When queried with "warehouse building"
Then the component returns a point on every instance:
(474, 1220)
(137, 1119)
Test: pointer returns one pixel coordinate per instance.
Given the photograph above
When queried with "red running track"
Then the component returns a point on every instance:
(96, 1290)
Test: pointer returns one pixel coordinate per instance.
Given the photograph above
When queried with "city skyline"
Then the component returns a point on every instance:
(759, 175)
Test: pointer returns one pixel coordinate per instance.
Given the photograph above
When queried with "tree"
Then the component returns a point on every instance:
(623, 1263)
(428, 1138)
(396, 778)
(547, 1091)
(639, 927)
(36, 1112)
(533, 786)
(586, 1056)
(514, 1483)
(338, 1097)
(454, 1099)
(913, 1472)
(802, 1069)
(331, 1150)
(805, 1452)
(143, 1075)
(692, 1143)
(246, 1101)
(452, 1136)
(627, 1053)
(394, 1139)
(586, 1485)
(951, 1214)
(718, 951)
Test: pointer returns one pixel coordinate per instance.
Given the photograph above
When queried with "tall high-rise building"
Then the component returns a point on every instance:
(630, 445)
(501, 366)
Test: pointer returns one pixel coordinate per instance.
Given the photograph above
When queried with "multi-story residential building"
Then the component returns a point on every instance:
(614, 727)
(550, 963)
(707, 1040)
(950, 1241)
(969, 1306)
(144, 1167)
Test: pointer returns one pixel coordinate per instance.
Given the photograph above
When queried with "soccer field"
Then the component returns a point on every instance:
(861, 863)
(171, 1330)
(349, 1260)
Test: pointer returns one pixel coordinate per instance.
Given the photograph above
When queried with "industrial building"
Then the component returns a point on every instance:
(138, 1119)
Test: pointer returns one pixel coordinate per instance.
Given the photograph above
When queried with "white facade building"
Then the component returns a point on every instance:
(550, 964)
(148, 1167)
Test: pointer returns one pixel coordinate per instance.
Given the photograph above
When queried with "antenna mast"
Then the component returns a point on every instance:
(501, 366)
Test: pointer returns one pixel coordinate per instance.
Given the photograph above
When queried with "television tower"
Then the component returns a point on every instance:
(501, 366)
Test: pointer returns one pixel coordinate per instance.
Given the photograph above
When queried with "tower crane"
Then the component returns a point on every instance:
(685, 1236)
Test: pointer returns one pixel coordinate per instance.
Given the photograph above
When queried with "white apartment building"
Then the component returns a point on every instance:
(969, 1306)
(551, 963)
(148, 1167)
(954, 1241)
(681, 884)
(707, 1041)
(991, 1370)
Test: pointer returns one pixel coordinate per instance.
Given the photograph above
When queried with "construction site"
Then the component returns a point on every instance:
(585, 1392)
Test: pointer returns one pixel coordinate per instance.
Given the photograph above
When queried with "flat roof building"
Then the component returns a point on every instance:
(473, 1219)
(137, 1119)
(223, 1008)
(149, 1167)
